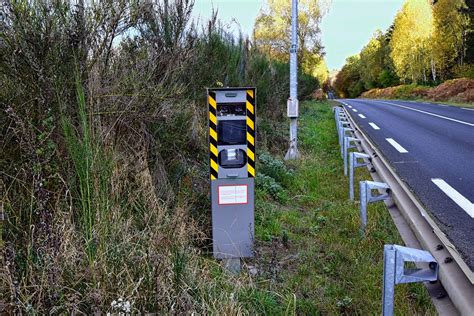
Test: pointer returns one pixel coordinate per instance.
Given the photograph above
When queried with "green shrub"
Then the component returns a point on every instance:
(268, 185)
(412, 91)
(464, 71)
(275, 168)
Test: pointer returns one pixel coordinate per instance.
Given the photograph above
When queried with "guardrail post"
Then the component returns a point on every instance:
(337, 117)
(340, 118)
(366, 197)
(394, 271)
(343, 135)
(347, 146)
(342, 124)
(336, 114)
(354, 163)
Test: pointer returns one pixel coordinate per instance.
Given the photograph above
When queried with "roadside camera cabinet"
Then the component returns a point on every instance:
(232, 170)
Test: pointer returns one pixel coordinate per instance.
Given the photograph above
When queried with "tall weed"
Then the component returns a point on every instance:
(93, 169)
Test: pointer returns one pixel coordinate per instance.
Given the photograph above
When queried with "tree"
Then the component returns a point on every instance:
(321, 72)
(371, 62)
(411, 41)
(348, 82)
(469, 32)
(375, 62)
(449, 37)
(272, 32)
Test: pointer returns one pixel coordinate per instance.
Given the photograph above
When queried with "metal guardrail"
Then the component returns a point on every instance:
(422, 230)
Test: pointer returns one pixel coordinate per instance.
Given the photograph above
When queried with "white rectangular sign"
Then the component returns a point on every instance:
(233, 194)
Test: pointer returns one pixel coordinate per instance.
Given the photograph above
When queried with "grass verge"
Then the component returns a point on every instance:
(309, 249)
(457, 104)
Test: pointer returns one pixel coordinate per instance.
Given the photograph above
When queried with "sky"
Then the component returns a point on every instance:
(350, 24)
(243, 12)
(346, 28)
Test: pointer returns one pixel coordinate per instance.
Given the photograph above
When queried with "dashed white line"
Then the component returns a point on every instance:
(454, 195)
(362, 115)
(374, 126)
(429, 113)
(354, 110)
(396, 145)
(468, 109)
(350, 106)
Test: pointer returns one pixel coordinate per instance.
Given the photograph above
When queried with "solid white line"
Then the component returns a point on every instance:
(374, 126)
(468, 109)
(396, 145)
(429, 113)
(457, 197)
(362, 115)
(354, 110)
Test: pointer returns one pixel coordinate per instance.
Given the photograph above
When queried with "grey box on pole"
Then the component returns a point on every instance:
(292, 108)
(232, 128)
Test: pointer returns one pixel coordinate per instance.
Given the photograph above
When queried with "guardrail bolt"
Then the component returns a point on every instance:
(448, 260)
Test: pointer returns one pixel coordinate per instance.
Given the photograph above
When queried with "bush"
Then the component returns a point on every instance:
(405, 92)
(274, 168)
(464, 71)
(268, 185)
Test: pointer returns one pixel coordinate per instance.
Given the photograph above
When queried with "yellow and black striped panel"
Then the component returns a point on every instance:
(251, 132)
(214, 167)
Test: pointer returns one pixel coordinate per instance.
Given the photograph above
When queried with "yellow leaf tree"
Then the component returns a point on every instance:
(272, 31)
(412, 49)
(449, 36)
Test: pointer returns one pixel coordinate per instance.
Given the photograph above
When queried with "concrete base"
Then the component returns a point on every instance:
(232, 265)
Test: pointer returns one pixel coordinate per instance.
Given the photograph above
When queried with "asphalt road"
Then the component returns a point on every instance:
(431, 147)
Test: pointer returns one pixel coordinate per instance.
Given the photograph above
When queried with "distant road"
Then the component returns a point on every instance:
(431, 147)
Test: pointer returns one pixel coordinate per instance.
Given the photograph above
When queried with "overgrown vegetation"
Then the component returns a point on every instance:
(103, 168)
(428, 43)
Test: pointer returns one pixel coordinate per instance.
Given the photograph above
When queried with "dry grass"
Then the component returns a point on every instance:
(456, 90)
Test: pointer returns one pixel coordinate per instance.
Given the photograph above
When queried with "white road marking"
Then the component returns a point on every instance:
(468, 109)
(429, 113)
(374, 126)
(354, 110)
(350, 106)
(362, 115)
(396, 145)
(457, 197)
